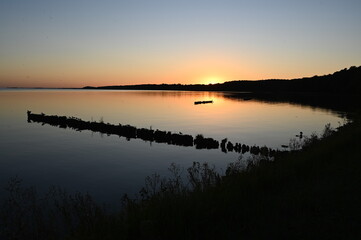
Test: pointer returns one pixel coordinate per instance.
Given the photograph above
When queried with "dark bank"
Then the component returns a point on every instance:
(313, 193)
(309, 194)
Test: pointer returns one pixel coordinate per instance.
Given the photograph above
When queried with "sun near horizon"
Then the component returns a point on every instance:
(80, 43)
(213, 80)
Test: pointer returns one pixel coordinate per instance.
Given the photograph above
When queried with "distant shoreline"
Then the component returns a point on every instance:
(346, 81)
(38, 88)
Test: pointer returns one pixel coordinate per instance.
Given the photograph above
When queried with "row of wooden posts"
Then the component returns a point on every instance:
(131, 132)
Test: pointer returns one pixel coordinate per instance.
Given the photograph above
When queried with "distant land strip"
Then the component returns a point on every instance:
(150, 135)
(346, 81)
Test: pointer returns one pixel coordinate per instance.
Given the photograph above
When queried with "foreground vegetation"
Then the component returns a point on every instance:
(308, 194)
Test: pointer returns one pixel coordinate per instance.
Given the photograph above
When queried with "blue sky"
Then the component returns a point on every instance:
(77, 43)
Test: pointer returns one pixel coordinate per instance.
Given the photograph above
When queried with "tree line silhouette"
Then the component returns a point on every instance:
(341, 82)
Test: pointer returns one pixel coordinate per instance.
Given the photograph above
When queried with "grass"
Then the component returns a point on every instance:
(310, 194)
(314, 193)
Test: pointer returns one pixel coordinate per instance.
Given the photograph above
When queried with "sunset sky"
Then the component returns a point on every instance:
(76, 43)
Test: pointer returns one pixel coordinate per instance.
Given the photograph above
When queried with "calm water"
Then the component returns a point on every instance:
(107, 166)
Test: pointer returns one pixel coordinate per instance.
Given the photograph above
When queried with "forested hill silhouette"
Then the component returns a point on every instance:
(343, 81)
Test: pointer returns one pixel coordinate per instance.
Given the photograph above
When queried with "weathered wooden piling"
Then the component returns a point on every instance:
(131, 132)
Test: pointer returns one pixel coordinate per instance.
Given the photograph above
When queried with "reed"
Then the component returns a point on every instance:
(313, 193)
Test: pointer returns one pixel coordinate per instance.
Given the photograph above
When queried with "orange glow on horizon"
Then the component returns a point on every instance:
(205, 68)
(212, 80)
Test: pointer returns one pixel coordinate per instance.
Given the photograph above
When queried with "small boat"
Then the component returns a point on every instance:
(203, 102)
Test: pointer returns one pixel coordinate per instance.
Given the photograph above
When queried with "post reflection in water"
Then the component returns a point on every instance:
(131, 132)
(109, 166)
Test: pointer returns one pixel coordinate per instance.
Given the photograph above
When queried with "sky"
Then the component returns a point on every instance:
(76, 43)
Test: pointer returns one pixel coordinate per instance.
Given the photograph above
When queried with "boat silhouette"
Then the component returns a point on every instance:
(203, 102)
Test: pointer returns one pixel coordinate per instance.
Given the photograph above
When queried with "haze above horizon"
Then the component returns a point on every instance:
(101, 43)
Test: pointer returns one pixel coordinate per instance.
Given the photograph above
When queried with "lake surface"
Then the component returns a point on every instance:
(108, 166)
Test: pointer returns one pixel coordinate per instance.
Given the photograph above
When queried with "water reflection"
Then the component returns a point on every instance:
(158, 136)
(319, 101)
(110, 166)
